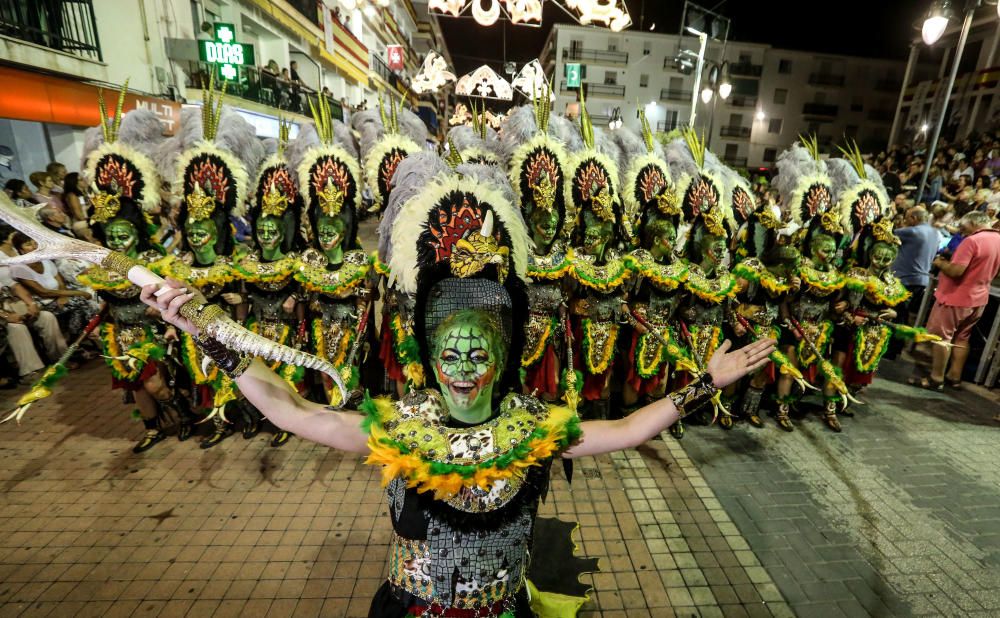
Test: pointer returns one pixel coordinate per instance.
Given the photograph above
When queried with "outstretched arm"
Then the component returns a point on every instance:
(270, 394)
(723, 369)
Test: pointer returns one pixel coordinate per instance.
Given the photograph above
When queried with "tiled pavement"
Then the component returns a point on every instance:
(89, 529)
(898, 515)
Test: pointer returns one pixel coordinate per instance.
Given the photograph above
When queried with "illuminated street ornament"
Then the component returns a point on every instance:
(452, 7)
(531, 82)
(484, 82)
(224, 52)
(611, 13)
(433, 74)
(525, 11)
(486, 16)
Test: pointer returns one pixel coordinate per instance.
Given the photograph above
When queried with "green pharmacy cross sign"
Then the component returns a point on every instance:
(225, 52)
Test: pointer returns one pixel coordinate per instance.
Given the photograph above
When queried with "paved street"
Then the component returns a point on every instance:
(899, 515)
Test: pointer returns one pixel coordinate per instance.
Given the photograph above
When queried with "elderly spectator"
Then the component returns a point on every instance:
(919, 243)
(55, 219)
(73, 308)
(961, 296)
(58, 173)
(20, 315)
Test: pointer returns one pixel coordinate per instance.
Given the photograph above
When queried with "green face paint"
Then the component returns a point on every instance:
(823, 249)
(330, 234)
(122, 237)
(544, 226)
(466, 362)
(270, 235)
(658, 237)
(713, 249)
(201, 237)
(882, 257)
(596, 235)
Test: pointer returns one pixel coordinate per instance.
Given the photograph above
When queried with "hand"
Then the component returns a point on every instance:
(726, 367)
(169, 302)
(170, 334)
(738, 329)
(82, 293)
(858, 320)
(795, 282)
(13, 318)
(289, 305)
(232, 298)
(840, 307)
(33, 310)
(62, 300)
(887, 315)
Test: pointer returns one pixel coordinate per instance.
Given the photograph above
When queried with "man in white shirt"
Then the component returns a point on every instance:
(18, 315)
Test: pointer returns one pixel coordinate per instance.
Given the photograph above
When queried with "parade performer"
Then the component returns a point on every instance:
(537, 167)
(333, 271)
(766, 277)
(467, 462)
(385, 141)
(271, 304)
(653, 211)
(709, 286)
(212, 183)
(807, 192)
(598, 270)
(132, 339)
(477, 142)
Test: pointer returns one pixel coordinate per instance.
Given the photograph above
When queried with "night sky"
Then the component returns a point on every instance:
(872, 28)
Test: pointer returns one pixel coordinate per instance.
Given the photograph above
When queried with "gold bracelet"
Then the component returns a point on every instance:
(118, 263)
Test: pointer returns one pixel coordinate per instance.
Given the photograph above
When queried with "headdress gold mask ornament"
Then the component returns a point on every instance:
(543, 193)
(472, 254)
(882, 231)
(331, 198)
(830, 220)
(200, 204)
(274, 202)
(106, 205)
(601, 204)
(667, 200)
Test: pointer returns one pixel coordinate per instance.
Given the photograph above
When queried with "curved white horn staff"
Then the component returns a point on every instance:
(210, 319)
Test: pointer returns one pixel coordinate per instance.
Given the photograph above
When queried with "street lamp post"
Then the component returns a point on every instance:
(932, 26)
(703, 43)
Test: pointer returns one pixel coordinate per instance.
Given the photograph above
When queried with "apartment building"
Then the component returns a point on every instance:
(777, 94)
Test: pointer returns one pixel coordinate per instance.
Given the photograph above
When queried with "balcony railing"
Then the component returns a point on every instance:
(267, 89)
(62, 25)
(734, 131)
(738, 100)
(600, 56)
(819, 109)
(600, 119)
(826, 79)
(669, 94)
(605, 90)
(736, 161)
(666, 126)
(746, 69)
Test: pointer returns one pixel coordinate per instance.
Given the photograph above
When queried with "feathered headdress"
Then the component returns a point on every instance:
(328, 173)
(862, 201)
(384, 145)
(477, 144)
(459, 242)
(213, 174)
(538, 162)
(705, 204)
(592, 182)
(646, 181)
(119, 165)
(805, 188)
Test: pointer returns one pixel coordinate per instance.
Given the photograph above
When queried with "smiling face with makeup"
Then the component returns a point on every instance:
(468, 360)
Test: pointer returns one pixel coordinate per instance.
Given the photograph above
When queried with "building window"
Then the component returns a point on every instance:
(780, 96)
(676, 83)
(646, 48)
(732, 151)
(611, 78)
(612, 44)
(644, 81)
(744, 58)
(784, 66)
(770, 154)
(774, 126)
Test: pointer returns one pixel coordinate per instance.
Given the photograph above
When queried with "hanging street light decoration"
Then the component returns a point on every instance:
(936, 21)
(612, 14)
(531, 81)
(433, 74)
(484, 83)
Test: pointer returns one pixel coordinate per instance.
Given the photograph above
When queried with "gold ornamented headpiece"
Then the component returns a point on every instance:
(882, 231)
(200, 205)
(475, 252)
(274, 202)
(106, 205)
